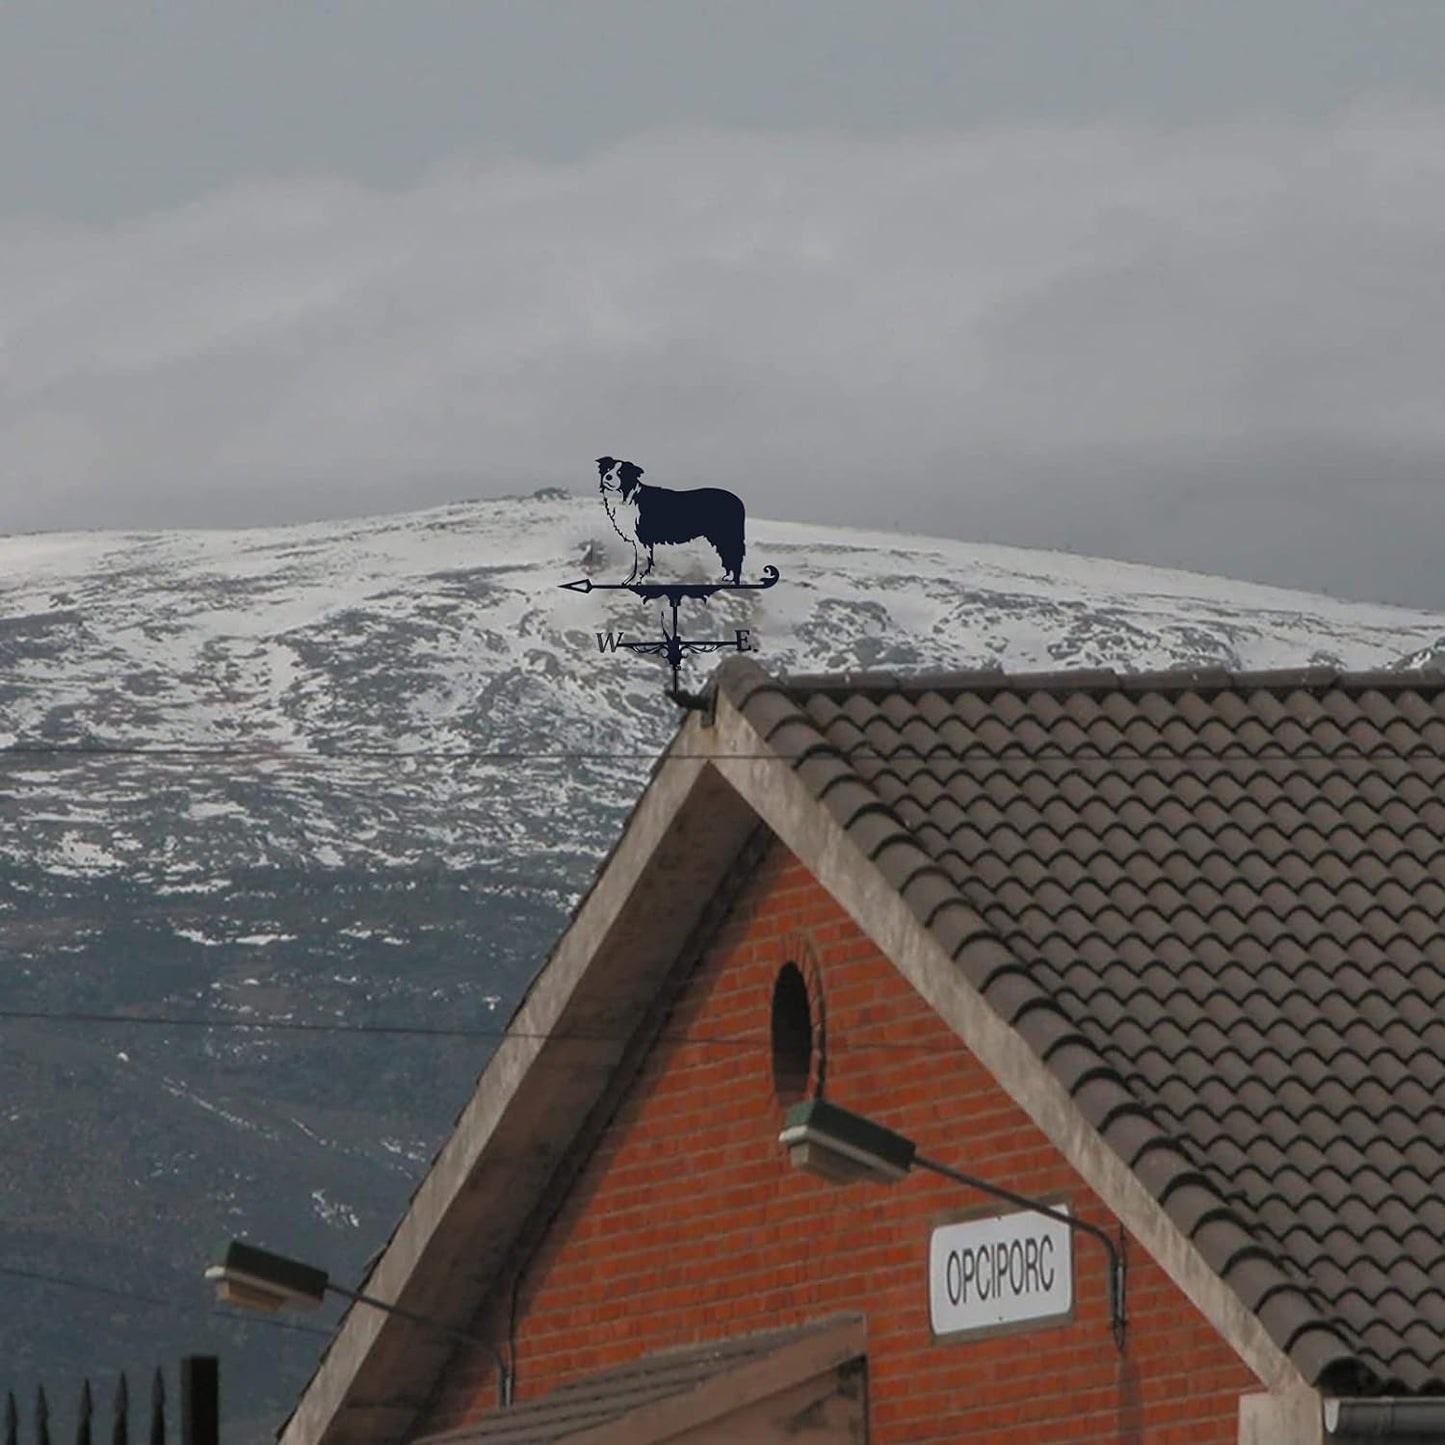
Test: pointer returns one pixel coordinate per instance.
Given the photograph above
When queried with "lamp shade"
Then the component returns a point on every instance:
(841, 1146)
(259, 1280)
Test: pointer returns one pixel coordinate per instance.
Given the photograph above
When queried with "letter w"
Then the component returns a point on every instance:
(608, 641)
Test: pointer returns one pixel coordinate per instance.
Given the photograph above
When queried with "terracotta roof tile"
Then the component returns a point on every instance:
(1218, 902)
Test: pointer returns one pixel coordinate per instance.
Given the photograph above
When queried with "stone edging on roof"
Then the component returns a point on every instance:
(1097, 681)
(1207, 1226)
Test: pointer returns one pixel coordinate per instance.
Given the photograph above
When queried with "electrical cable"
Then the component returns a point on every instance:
(740, 1041)
(846, 752)
(91, 1287)
(280, 1025)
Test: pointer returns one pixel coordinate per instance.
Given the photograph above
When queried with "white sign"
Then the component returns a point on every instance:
(1000, 1270)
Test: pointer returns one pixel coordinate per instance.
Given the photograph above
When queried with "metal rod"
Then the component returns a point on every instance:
(200, 1400)
(651, 591)
(1117, 1310)
(674, 650)
(503, 1373)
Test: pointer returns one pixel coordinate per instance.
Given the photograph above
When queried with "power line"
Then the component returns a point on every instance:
(90, 1286)
(282, 1025)
(591, 1036)
(187, 750)
(160, 1301)
(847, 752)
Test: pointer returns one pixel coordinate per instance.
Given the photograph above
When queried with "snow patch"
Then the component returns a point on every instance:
(334, 1212)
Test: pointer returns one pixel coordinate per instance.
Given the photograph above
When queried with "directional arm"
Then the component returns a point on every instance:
(671, 645)
(674, 592)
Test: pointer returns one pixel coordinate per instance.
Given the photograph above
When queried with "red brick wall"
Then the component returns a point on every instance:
(688, 1223)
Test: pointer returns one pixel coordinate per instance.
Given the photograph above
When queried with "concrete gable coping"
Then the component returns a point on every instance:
(562, 1045)
(819, 841)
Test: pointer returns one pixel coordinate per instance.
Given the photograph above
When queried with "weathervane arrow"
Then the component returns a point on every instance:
(672, 647)
(674, 592)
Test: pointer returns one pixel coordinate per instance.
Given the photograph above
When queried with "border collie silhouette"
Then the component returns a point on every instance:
(646, 516)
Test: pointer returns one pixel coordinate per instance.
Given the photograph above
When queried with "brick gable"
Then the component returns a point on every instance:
(687, 1223)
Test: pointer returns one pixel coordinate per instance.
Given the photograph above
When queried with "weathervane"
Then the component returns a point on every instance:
(647, 516)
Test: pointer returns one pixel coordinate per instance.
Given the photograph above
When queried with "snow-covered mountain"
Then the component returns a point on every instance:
(356, 772)
(345, 647)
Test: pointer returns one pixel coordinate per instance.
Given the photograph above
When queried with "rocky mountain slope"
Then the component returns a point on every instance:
(355, 774)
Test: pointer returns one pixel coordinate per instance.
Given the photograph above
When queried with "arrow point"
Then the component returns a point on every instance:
(585, 585)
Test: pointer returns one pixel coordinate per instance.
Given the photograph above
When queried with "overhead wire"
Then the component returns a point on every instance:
(846, 751)
(135, 1296)
(499, 1034)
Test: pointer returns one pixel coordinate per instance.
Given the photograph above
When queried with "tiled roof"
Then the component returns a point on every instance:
(595, 1400)
(1221, 904)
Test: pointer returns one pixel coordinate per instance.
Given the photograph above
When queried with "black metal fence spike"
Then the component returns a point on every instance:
(82, 1415)
(158, 1409)
(200, 1412)
(120, 1413)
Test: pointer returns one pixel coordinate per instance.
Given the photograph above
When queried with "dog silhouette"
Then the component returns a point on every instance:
(646, 516)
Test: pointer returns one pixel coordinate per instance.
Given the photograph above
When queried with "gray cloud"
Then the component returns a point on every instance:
(1217, 347)
(118, 109)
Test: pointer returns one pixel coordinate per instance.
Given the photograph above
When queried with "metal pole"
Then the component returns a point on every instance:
(200, 1400)
(1117, 1309)
(503, 1373)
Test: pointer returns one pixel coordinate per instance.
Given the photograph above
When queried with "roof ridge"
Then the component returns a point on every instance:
(992, 680)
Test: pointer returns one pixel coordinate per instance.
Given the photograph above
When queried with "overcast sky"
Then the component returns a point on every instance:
(1143, 279)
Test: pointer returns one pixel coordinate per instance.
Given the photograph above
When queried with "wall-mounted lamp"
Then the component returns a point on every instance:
(844, 1148)
(256, 1279)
